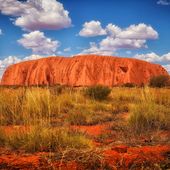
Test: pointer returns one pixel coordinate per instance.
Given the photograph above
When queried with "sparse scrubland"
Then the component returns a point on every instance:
(85, 128)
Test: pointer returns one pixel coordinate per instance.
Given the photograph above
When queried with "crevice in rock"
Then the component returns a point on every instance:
(124, 69)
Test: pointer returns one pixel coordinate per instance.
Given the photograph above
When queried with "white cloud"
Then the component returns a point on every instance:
(166, 57)
(13, 60)
(132, 37)
(37, 14)
(6, 62)
(152, 57)
(163, 2)
(38, 43)
(13, 7)
(67, 49)
(32, 57)
(0, 31)
(95, 49)
(110, 43)
(59, 52)
(113, 30)
(140, 31)
(92, 29)
(167, 67)
(128, 52)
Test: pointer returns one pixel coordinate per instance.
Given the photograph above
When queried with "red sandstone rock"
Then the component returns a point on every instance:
(83, 70)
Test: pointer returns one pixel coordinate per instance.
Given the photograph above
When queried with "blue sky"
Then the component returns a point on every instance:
(132, 28)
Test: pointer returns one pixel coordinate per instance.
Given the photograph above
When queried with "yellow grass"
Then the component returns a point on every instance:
(49, 112)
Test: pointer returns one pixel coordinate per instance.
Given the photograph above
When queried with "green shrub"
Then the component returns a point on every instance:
(98, 92)
(159, 81)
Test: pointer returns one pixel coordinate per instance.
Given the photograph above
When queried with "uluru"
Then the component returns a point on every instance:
(82, 70)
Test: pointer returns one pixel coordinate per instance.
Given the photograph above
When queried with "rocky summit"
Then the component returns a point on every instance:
(82, 70)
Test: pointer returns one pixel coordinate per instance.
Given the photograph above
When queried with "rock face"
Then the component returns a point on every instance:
(85, 70)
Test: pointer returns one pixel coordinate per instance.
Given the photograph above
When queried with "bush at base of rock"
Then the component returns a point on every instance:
(160, 81)
(98, 92)
(130, 85)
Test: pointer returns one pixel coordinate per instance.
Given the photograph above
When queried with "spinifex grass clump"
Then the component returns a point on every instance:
(43, 138)
(11, 106)
(148, 116)
(40, 104)
(78, 118)
(98, 92)
(162, 97)
(91, 113)
(126, 95)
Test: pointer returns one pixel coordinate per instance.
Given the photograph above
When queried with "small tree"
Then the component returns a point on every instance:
(160, 81)
(98, 92)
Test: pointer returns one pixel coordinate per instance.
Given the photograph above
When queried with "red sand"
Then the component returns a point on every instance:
(94, 130)
(127, 157)
(118, 157)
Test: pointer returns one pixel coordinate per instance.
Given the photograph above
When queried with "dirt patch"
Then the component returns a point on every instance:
(123, 157)
(11, 129)
(94, 130)
(119, 157)
(13, 161)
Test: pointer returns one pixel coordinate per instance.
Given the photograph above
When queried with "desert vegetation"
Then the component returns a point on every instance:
(160, 81)
(91, 128)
